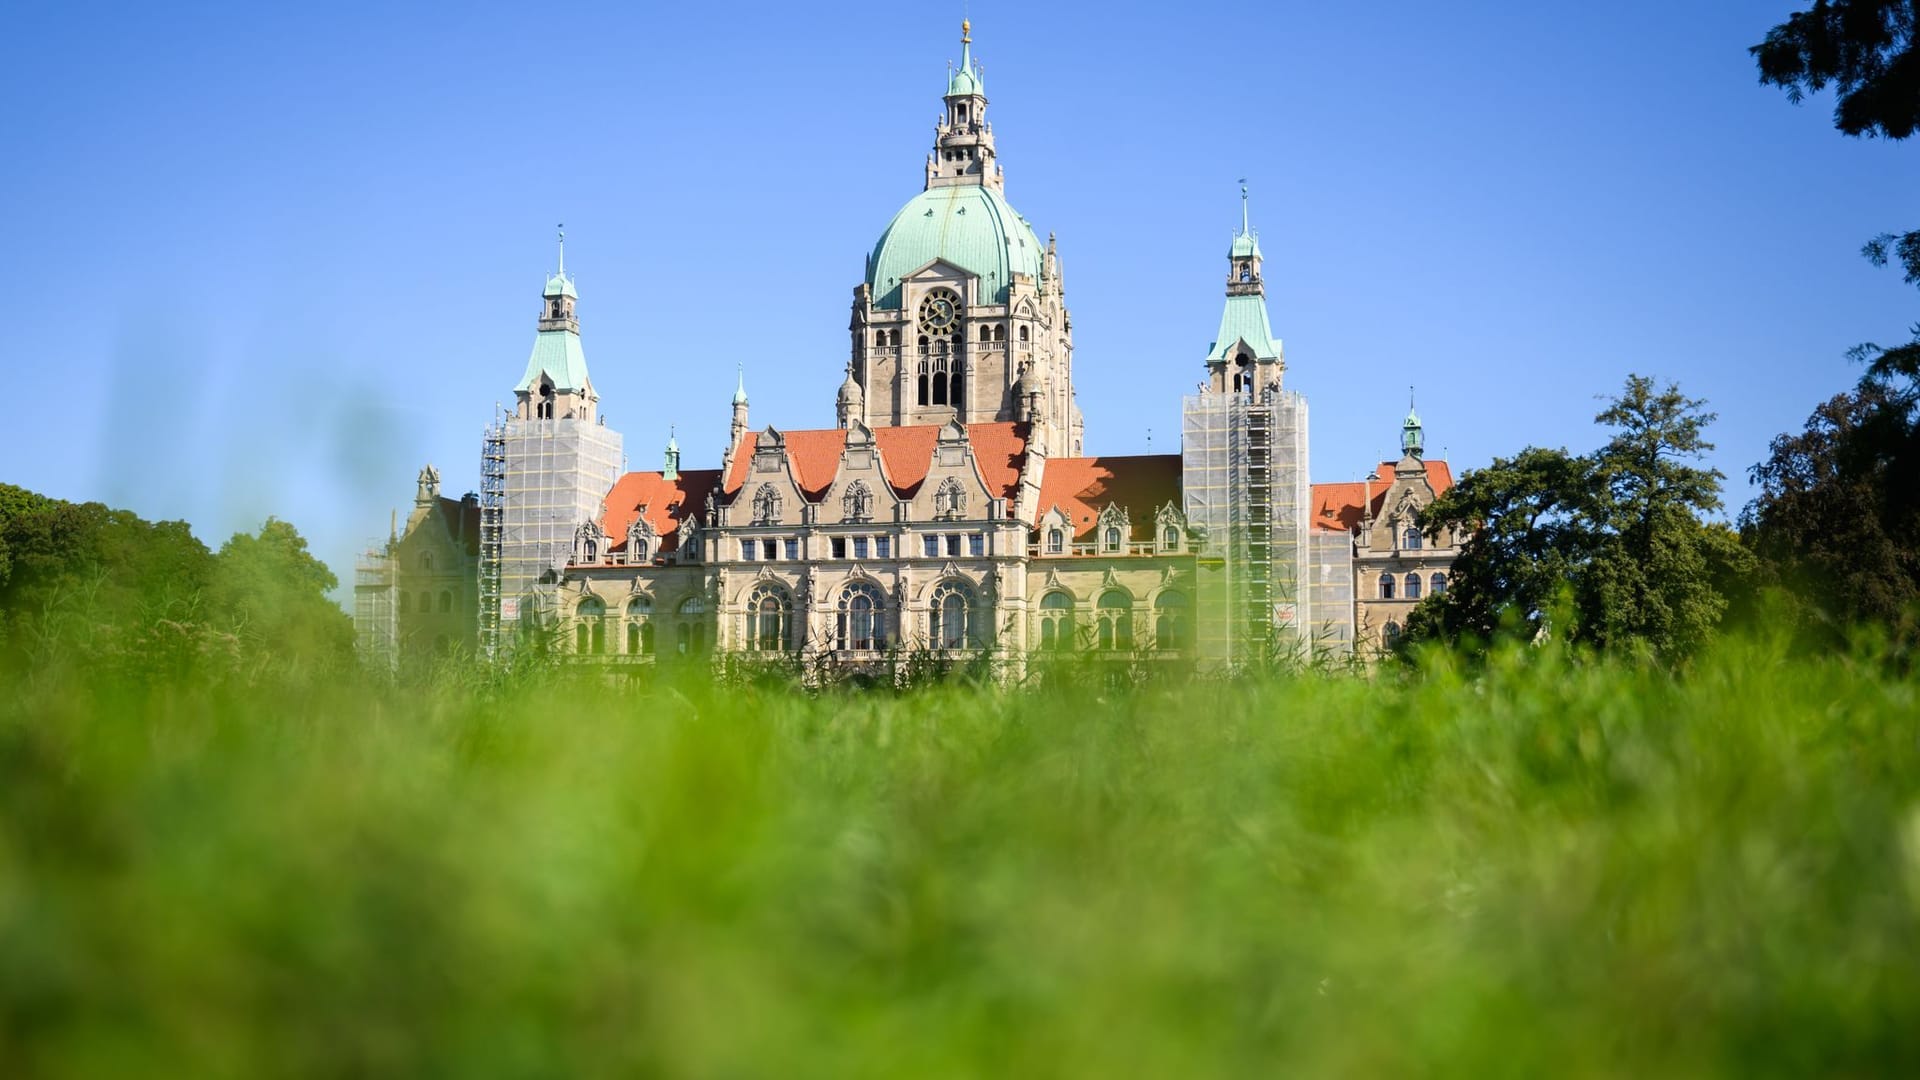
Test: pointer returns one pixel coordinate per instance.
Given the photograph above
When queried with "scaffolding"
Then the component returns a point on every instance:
(1244, 485)
(493, 502)
(376, 621)
(542, 480)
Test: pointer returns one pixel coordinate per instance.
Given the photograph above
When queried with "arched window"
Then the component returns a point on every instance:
(1056, 621)
(926, 394)
(1171, 617)
(1439, 584)
(1386, 586)
(880, 338)
(1023, 332)
(955, 390)
(1113, 538)
(986, 332)
(769, 617)
(446, 602)
(636, 551)
(1115, 626)
(1056, 541)
(1390, 634)
(691, 634)
(1410, 539)
(999, 333)
(590, 633)
(639, 625)
(544, 410)
(950, 618)
(861, 622)
(406, 603)
(1413, 586)
(893, 338)
(426, 560)
(940, 386)
(1170, 537)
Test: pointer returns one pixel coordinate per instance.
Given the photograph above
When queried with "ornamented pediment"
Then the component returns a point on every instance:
(953, 432)
(1170, 515)
(859, 435)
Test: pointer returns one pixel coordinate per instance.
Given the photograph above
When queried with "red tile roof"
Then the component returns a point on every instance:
(1337, 507)
(906, 455)
(1082, 487)
(666, 503)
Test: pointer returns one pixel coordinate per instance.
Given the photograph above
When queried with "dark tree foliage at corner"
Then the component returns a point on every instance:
(273, 593)
(1607, 549)
(1837, 520)
(1869, 52)
(87, 586)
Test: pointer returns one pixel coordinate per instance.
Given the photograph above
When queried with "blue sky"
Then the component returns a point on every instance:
(269, 259)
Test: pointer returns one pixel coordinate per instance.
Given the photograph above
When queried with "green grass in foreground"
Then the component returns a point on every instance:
(1547, 868)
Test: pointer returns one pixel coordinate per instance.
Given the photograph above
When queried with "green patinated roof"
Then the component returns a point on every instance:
(556, 353)
(970, 226)
(560, 285)
(964, 79)
(1245, 319)
(1244, 244)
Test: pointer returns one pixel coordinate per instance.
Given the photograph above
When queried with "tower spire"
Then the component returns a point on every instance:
(963, 150)
(562, 229)
(1245, 225)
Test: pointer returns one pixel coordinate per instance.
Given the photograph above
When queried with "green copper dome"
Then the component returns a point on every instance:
(968, 225)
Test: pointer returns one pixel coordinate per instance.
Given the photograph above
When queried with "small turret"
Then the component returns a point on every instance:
(739, 407)
(1412, 435)
(851, 403)
(670, 469)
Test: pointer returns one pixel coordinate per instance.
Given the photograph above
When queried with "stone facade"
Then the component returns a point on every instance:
(950, 511)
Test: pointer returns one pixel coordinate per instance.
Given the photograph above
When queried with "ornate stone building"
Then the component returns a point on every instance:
(951, 509)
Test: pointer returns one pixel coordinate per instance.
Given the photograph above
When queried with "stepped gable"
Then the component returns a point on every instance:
(1338, 507)
(666, 504)
(906, 456)
(1082, 487)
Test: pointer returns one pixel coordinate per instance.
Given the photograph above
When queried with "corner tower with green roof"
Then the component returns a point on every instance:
(961, 314)
(559, 458)
(1243, 479)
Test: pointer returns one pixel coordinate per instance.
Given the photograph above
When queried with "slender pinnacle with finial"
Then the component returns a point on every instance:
(1245, 227)
(562, 229)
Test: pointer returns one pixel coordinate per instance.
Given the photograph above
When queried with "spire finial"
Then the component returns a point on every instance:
(966, 31)
(1245, 226)
(562, 230)
(740, 389)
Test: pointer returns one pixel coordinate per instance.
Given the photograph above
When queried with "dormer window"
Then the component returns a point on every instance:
(1056, 541)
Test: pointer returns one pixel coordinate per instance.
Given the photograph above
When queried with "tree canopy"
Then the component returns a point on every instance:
(1607, 548)
(1869, 52)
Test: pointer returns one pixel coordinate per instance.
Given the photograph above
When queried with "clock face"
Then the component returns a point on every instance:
(939, 312)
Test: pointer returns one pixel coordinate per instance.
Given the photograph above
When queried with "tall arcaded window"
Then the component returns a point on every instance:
(1413, 586)
(950, 617)
(769, 619)
(861, 621)
(1115, 626)
(1386, 586)
(1056, 621)
(691, 634)
(590, 632)
(1172, 615)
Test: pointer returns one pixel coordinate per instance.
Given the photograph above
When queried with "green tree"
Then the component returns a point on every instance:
(1868, 50)
(273, 593)
(1837, 520)
(1609, 548)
